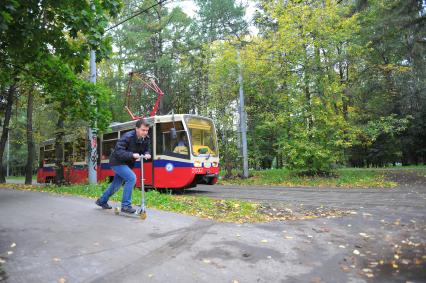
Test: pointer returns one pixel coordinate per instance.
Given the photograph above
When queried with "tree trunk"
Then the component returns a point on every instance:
(5, 133)
(59, 151)
(30, 139)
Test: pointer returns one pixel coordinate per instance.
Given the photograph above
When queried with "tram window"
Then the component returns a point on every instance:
(68, 152)
(125, 131)
(203, 136)
(107, 148)
(110, 136)
(108, 143)
(80, 151)
(49, 156)
(173, 147)
(41, 156)
(48, 147)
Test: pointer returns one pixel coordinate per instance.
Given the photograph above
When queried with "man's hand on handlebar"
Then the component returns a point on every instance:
(137, 156)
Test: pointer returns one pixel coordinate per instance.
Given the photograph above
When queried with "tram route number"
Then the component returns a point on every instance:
(197, 170)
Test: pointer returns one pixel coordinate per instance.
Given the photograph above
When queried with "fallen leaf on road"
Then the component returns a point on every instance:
(62, 280)
(9, 252)
(264, 241)
(364, 235)
(206, 261)
(289, 237)
(150, 275)
(56, 259)
(321, 230)
(2, 261)
(13, 245)
(356, 252)
(342, 246)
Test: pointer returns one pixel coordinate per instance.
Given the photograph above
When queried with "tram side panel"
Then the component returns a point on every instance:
(172, 174)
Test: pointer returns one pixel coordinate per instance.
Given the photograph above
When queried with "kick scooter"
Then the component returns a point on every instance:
(141, 211)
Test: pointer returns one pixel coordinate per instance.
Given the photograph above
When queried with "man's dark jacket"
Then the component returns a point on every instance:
(126, 146)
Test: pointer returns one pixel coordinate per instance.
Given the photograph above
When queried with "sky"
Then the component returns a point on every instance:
(190, 8)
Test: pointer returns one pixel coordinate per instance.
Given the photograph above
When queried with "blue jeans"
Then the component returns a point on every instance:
(123, 173)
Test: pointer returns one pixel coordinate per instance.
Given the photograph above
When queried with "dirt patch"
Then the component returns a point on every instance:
(278, 212)
(406, 178)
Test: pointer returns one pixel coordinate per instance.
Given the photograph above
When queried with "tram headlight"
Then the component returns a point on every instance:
(215, 164)
(197, 164)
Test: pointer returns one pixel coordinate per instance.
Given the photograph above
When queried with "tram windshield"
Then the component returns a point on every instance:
(202, 136)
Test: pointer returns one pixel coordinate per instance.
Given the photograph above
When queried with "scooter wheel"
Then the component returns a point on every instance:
(143, 215)
(116, 211)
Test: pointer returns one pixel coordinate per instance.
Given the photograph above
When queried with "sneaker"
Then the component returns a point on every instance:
(128, 209)
(103, 205)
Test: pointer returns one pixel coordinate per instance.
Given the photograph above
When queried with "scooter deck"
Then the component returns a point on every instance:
(141, 214)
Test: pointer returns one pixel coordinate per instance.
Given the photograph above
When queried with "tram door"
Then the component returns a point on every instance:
(172, 163)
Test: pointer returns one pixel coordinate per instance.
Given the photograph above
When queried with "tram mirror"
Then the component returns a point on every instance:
(173, 133)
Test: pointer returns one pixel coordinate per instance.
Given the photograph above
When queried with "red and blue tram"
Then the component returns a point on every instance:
(184, 153)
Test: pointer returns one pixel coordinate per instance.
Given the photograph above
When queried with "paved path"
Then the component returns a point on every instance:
(51, 238)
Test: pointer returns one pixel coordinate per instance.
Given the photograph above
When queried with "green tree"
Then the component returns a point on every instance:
(297, 72)
(49, 41)
(152, 44)
(389, 83)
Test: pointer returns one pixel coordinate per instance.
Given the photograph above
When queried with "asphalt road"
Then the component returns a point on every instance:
(410, 194)
(50, 238)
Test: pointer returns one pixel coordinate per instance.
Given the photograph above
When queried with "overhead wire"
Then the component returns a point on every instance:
(136, 14)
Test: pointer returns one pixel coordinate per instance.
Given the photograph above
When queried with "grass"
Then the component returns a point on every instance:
(20, 178)
(220, 210)
(343, 178)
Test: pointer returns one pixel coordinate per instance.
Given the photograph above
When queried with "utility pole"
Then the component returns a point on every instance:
(7, 154)
(91, 133)
(243, 123)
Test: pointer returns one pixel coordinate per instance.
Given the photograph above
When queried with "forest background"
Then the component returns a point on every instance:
(327, 83)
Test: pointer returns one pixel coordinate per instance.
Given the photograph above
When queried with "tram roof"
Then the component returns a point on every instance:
(152, 120)
(67, 138)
